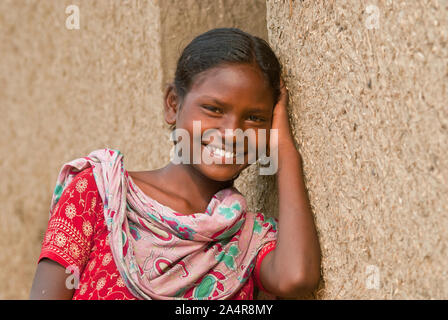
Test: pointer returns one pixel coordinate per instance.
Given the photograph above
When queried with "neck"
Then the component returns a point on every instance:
(191, 184)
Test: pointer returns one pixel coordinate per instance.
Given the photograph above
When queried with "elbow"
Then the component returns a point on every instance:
(300, 286)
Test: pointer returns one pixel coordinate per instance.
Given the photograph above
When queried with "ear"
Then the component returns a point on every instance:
(171, 104)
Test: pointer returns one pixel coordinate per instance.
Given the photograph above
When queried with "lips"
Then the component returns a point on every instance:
(219, 151)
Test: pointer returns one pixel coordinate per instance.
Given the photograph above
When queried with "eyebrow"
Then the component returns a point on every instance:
(250, 109)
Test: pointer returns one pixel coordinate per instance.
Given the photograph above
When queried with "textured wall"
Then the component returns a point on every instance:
(370, 113)
(368, 106)
(64, 93)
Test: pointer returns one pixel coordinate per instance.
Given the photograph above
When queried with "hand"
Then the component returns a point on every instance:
(280, 120)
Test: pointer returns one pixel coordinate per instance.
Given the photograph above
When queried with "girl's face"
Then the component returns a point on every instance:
(227, 97)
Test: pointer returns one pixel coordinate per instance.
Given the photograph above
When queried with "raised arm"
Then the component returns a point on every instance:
(292, 269)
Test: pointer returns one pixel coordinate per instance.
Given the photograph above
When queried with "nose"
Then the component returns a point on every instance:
(227, 130)
(230, 122)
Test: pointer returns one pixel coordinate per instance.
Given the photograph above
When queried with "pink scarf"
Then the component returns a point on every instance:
(162, 254)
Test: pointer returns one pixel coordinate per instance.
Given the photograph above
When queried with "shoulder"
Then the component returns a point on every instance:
(87, 173)
(83, 180)
(80, 195)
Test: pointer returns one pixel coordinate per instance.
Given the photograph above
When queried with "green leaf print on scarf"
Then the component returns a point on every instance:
(205, 288)
(123, 238)
(248, 271)
(257, 227)
(272, 222)
(229, 259)
(231, 231)
(58, 191)
(180, 292)
(153, 216)
(230, 212)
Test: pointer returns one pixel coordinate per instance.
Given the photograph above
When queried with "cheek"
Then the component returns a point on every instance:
(262, 141)
(194, 121)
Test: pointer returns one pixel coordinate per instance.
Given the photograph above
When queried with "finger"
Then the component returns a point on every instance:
(283, 90)
(282, 85)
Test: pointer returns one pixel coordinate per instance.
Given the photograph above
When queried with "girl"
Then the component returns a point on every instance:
(183, 231)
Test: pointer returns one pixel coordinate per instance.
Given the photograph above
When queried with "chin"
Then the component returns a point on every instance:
(220, 172)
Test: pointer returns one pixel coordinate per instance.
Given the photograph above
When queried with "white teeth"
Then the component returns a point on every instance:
(220, 152)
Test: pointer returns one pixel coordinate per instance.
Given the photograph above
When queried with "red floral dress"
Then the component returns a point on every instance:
(77, 238)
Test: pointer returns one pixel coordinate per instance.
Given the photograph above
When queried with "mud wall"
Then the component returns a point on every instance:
(369, 106)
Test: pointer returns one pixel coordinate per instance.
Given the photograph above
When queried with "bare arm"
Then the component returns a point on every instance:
(292, 269)
(50, 282)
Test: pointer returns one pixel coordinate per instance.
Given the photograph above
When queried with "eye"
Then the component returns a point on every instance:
(211, 108)
(256, 119)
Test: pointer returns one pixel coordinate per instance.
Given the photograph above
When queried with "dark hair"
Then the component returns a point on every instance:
(225, 45)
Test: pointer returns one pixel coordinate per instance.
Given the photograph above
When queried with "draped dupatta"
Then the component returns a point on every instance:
(163, 254)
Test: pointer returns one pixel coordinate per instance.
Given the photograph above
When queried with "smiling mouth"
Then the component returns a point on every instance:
(219, 152)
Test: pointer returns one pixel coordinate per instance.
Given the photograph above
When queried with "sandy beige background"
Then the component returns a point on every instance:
(368, 88)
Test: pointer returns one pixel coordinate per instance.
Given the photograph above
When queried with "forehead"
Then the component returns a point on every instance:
(235, 84)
